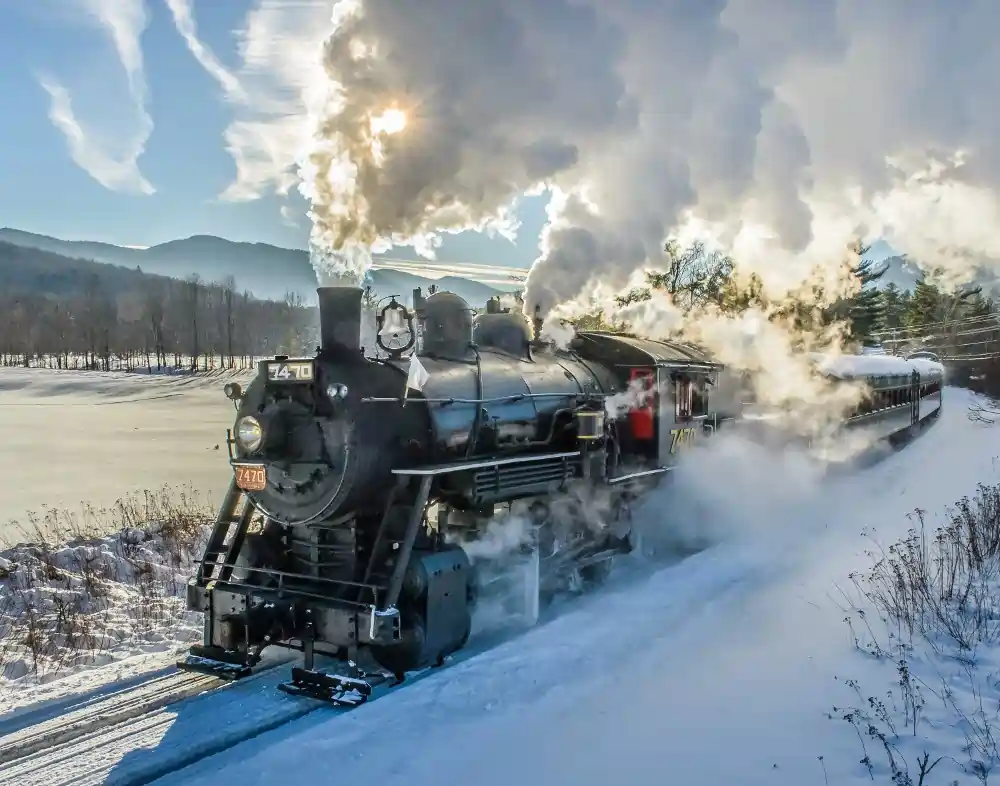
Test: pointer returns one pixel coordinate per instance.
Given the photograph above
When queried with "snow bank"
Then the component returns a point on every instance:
(92, 602)
(928, 613)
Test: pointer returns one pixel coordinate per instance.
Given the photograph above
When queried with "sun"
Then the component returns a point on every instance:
(391, 121)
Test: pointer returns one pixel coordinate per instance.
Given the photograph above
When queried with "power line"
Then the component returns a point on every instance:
(994, 318)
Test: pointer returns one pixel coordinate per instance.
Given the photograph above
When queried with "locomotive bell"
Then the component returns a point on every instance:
(392, 320)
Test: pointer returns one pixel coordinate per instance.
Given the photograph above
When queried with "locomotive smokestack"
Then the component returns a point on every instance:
(340, 318)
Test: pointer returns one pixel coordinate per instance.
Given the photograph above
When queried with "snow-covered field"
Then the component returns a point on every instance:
(722, 668)
(75, 438)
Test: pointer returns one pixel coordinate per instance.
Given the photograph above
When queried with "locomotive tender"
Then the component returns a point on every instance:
(326, 540)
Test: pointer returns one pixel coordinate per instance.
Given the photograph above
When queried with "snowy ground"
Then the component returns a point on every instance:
(87, 438)
(723, 669)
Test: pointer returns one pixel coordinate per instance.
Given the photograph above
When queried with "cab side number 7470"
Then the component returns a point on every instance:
(681, 437)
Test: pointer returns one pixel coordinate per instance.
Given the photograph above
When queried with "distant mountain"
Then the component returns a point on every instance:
(32, 270)
(901, 272)
(267, 271)
(905, 275)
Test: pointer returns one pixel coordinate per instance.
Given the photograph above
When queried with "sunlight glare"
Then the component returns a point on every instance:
(391, 121)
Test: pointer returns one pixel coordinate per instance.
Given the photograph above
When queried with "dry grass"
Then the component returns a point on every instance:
(85, 590)
(943, 585)
(930, 608)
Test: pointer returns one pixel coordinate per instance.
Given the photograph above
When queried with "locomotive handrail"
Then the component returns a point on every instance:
(641, 474)
(462, 466)
(517, 397)
(678, 364)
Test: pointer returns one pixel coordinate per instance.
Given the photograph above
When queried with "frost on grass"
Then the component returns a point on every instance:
(70, 599)
(928, 614)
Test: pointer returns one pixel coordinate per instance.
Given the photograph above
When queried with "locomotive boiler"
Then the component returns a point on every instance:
(359, 482)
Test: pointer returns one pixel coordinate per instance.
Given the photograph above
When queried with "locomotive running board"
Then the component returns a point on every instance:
(337, 689)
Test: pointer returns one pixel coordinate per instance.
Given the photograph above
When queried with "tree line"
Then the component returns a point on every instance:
(929, 317)
(161, 324)
(76, 318)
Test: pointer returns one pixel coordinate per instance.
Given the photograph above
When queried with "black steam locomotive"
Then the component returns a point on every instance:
(327, 540)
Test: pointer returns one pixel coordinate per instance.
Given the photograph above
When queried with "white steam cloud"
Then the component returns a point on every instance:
(111, 161)
(778, 130)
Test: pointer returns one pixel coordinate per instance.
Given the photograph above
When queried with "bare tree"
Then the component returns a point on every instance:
(228, 294)
(198, 324)
(191, 304)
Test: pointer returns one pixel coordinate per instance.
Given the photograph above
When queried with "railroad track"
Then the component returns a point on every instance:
(161, 726)
(134, 735)
(111, 710)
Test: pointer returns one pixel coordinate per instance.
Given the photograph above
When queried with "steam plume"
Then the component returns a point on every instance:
(779, 130)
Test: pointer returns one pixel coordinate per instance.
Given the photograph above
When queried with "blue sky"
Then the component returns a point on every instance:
(65, 43)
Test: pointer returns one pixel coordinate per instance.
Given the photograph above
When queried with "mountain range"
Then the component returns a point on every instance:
(899, 271)
(271, 271)
(266, 271)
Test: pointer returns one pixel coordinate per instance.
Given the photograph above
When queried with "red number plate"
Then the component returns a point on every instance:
(250, 477)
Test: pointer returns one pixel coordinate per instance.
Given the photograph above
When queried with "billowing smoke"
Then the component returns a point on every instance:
(781, 131)
(436, 115)
(776, 130)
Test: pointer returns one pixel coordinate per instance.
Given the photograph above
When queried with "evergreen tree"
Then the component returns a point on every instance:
(979, 306)
(862, 311)
(924, 305)
(892, 306)
(866, 313)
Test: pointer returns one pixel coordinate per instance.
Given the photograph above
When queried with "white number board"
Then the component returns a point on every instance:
(290, 371)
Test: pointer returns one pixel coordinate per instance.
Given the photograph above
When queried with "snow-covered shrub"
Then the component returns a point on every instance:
(71, 598)
(929, 609)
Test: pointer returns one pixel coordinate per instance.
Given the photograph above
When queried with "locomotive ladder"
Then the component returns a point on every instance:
(230, 513)
(236, 509)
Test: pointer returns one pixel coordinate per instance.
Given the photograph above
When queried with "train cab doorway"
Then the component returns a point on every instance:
(691, 405)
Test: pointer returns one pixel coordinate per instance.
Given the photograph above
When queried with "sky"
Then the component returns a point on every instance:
(146, 161)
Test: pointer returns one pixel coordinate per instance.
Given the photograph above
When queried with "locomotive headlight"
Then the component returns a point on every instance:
(249, 433)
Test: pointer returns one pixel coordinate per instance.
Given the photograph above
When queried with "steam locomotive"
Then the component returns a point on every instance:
(357, 480)
(362, 484)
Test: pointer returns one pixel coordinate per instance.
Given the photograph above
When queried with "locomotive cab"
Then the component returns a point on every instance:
(671, 386)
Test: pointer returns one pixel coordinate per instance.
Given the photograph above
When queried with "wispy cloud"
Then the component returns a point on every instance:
(279, 51)
(115, 166)
(280, 65)
(183, 13)
(288, 216)
(488, 274)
